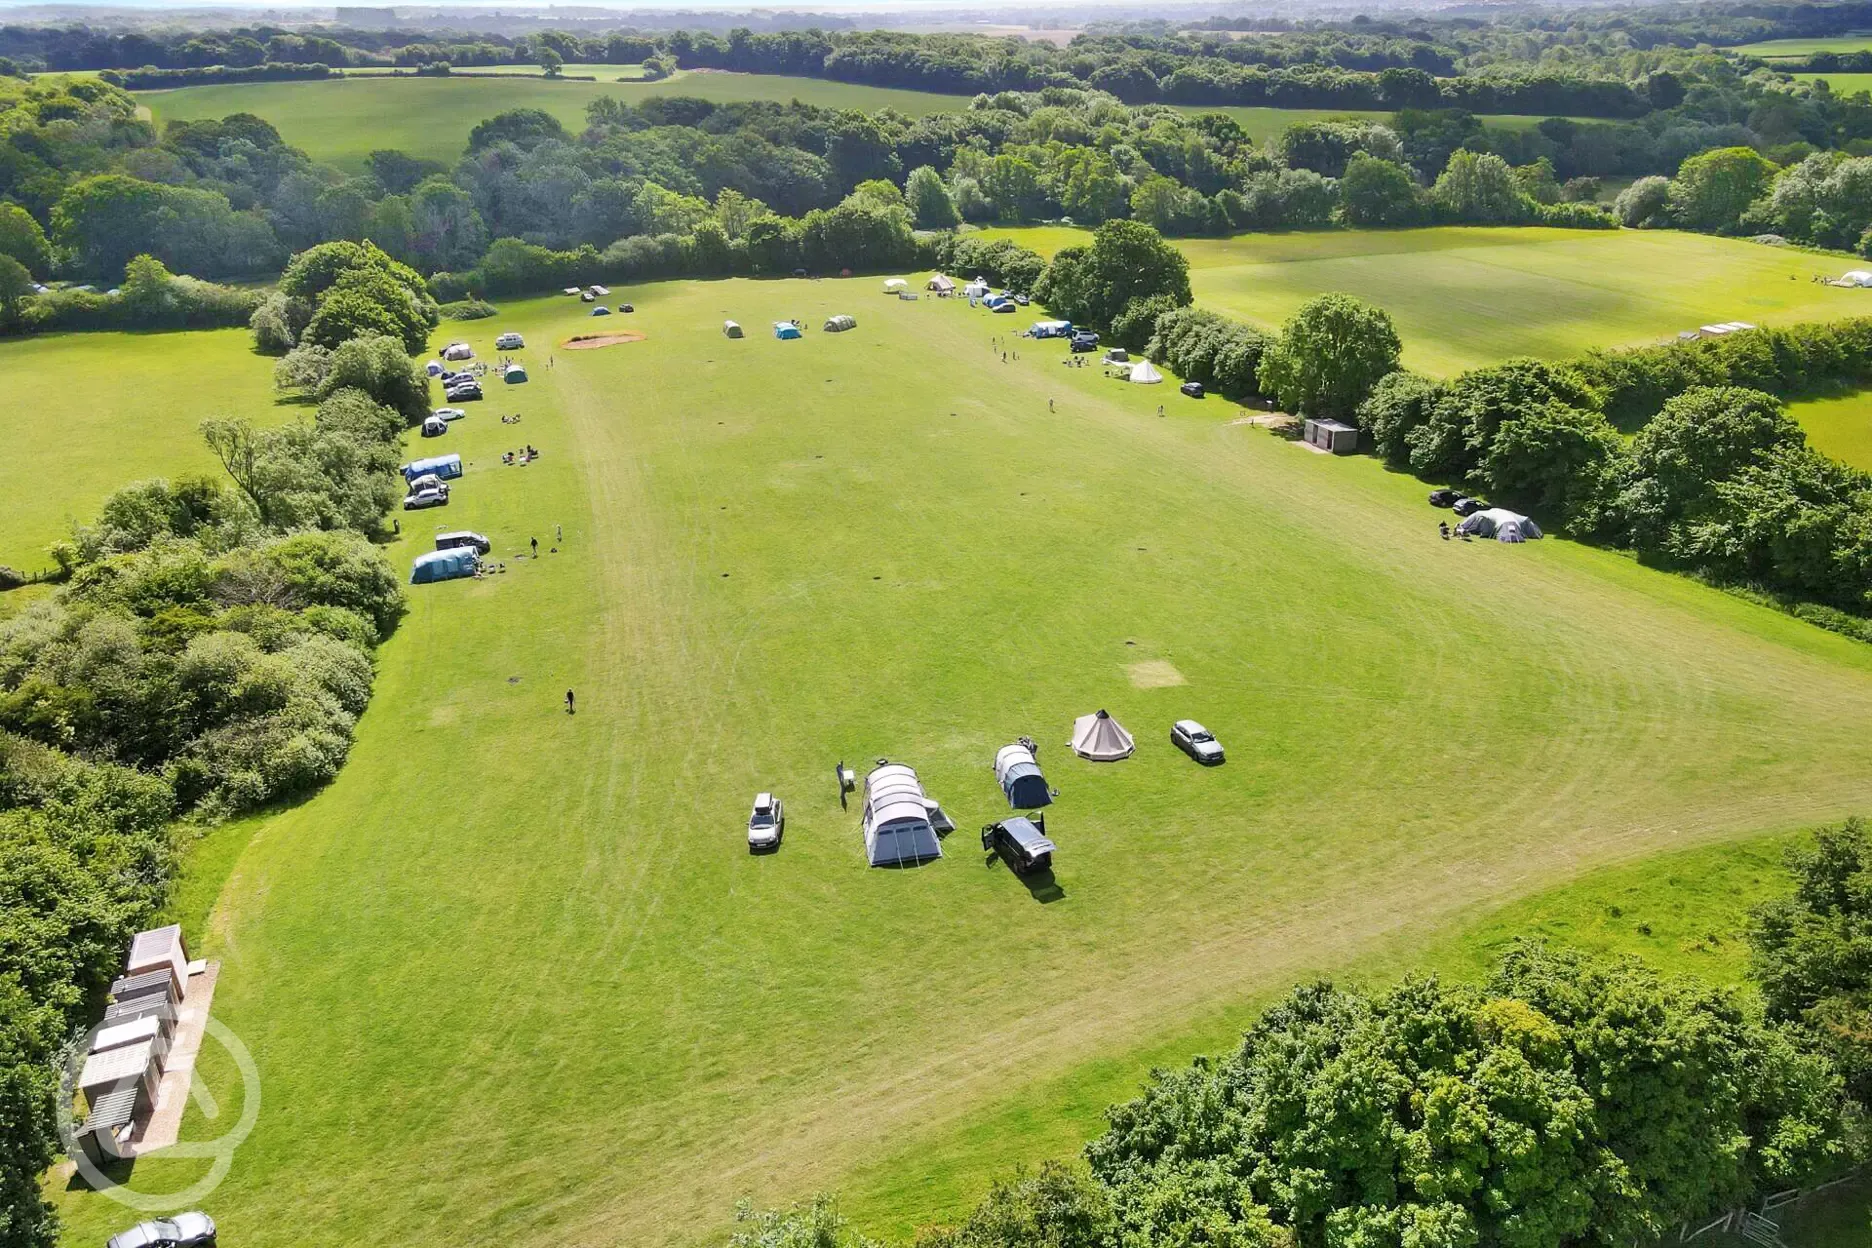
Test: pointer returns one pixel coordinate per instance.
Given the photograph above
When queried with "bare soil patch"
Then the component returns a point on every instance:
(587, 342)
(1155, 674)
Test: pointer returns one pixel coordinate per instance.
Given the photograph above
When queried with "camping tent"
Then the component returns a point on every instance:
(785, 329)
(1144, 373)
(1051, 329)
(434, 426)
(976, 289)
(897, 826)
(894, 285)
(448, 467)
(458, 351)
(1501, 524)
(839, 324)
(1858, 277)
(1100, 738)
(1020, 778)
(434, 368)
(444, 565)
(941, 285)
(514, 374)
(731, 329)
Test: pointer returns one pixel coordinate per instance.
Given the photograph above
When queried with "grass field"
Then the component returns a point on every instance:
(342, 121)
(107, 409)
(1842, 84)
(1774, 49)
(1465, 296)
(1840, 425)
(514, 979)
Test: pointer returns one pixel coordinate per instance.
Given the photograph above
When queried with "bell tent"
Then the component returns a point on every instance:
(1100, 738)
(1020, 778)
(941, 285)
(897, 826)
(1144, 373)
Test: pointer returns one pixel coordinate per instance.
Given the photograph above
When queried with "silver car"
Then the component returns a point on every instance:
(1195, 740)
(766, 824)
(185, 1230)
(431, 496)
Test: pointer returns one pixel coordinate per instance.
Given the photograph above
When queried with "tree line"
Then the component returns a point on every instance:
(1566, 1100)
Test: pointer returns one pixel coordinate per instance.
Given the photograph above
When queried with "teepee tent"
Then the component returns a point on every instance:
(1101, 738)
(1144, 373)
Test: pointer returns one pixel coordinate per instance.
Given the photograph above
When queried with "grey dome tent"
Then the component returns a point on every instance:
(898, 830)
(1501, 524)
(839, 324)
(1101, 738)
(444, 565)
(731, 329)
(1020, 778)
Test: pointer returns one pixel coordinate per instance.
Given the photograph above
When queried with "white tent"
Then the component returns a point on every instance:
(1144, 373)
(941, 284)
(976, 289)
(898, 830)
(894, 285)
(1858, 277)
(1100, 738)
(1501, 524)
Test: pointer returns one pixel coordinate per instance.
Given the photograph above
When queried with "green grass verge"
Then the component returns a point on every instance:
(1471, 295)
(97, 411)
(513, 977)
(1773, 49)
(1842, 84)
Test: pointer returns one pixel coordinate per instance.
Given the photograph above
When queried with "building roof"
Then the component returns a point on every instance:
(125, 1032)
(117, 1065)
(149, 982)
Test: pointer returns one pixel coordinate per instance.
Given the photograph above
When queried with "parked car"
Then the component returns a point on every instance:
(463, 392)
(449, 413)
(629, 307)
(464, 537)
(509, 341)
(766, 823)
(1468, 506)
(1022, 300)
(586, 296)
(185, 1230)
(1082, 343)
(1192, 388)
(433, 496)
(1195, 740)
(1442, 498)
(1021, 843)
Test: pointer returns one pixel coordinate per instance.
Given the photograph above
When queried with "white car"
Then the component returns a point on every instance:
(766, 824)
(450, 413)
(431, 496)
(186, 1230)
(509, 342)
(1196, 741)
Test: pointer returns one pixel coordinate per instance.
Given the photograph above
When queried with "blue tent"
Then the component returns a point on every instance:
(444, 565)
(1020, 778)
(448, 467)
(785, 329)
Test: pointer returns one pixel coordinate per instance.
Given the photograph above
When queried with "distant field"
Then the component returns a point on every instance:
(1774, 49)
(1842, 84)
(604, 73)
(342, 121)
(1840, 426)
(1466, 296)
(91, 412)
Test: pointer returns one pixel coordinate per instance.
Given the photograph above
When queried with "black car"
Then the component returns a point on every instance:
(1192, 388)
(1443, 498)
(1020, 843)
(1082, 343)
(1468, 506)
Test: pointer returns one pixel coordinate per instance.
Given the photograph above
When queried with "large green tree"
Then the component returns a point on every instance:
(1127, 260)
(1713, 189)
(1330, 354)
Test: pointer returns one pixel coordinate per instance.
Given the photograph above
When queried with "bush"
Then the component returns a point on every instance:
(1329, 355)
(377, 366)
(1645, 202)
(467, 309)
(1202, 346)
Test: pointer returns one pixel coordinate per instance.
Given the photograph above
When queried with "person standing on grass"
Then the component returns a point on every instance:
(569, 709)
(559, 533)
(536, 555)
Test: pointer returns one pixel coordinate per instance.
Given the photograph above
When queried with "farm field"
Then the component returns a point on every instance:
(100, 410)
(343, 121)
(556, 1002)
(1840, 425)
(1842, 84)
(1773, 49)
(1470, 295)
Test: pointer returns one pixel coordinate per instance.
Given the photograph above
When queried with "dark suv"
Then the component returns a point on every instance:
(1022, 845)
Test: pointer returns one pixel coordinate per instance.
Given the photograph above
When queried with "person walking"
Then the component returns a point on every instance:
(536, 554)
(559, 533)
(1049, 405)
(569, 709)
